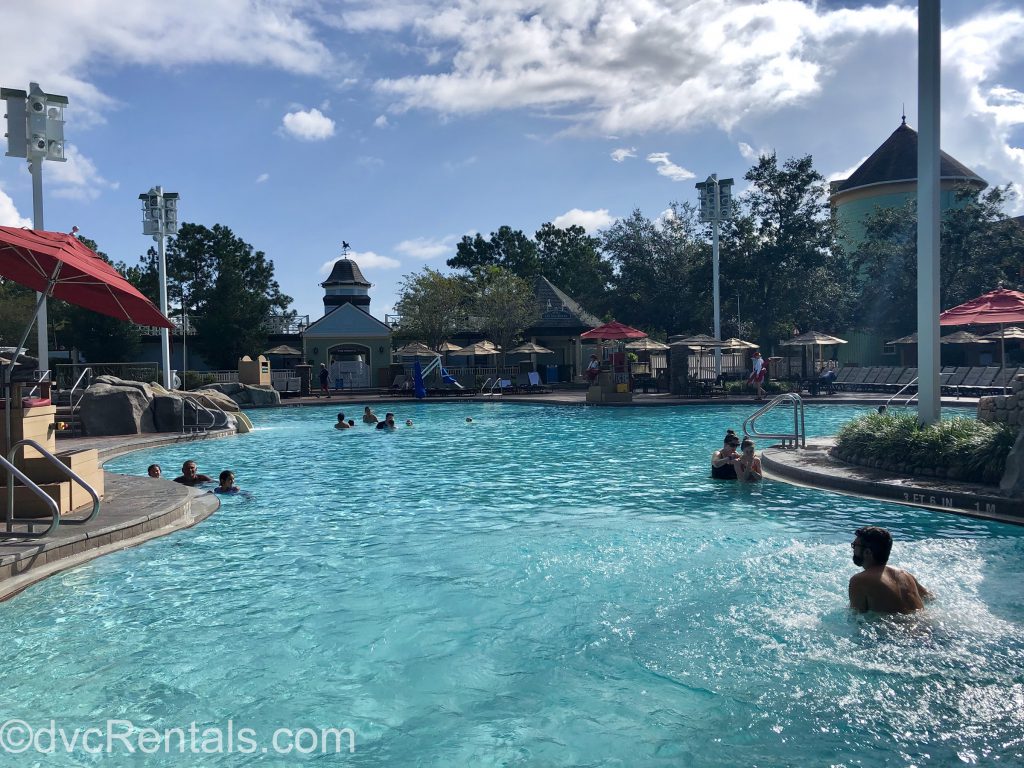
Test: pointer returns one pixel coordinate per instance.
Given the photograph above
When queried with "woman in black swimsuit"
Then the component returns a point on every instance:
(723, 461)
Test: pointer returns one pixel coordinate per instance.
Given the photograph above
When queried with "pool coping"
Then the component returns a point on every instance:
(814, 467)
(133, 510)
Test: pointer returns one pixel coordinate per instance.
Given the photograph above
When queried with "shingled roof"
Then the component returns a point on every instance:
(558, 310)
(346, 272)
(896, 160)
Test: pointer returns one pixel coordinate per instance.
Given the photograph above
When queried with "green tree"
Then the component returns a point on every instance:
(503, 305)
(432, 306)
(231, 287)
(17, 306)
(100, 338)
(571, 259)
(780, 255)
(507, 248)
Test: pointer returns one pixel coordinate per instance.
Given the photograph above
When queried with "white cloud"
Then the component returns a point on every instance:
(747, 152)
(369, 161)
(847, 173)
(669, 169)
(365, 260)
(155, 34)
(262, 178)
(426, 248)
(589, 220)
(312, 125)
(381, 122)
(77, 177)
(630, 66)
(620, 154)
(9, 216)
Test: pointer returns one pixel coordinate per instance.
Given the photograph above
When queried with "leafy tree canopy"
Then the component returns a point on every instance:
(432, 306)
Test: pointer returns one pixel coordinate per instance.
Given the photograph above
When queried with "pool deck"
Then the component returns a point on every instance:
(133, 510)
(814, 467)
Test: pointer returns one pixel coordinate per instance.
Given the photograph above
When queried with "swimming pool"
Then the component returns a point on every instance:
(545, 586)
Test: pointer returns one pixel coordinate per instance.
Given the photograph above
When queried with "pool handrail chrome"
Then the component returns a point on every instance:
(798, 436)
(197, 406)
(35, 488)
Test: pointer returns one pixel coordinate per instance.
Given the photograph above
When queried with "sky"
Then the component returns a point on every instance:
(401, 126)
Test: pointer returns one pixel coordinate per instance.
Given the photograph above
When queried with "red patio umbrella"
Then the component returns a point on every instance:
(61, 266)
(999, 306)
(613, 331)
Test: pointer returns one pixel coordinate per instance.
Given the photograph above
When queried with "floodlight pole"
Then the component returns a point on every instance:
(929, 57)
(159, 219)
(715, 276)
(35, 164)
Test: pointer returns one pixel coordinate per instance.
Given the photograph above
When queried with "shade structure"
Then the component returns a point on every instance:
(480, 348)
(63, 267)
(963, 337)
(911, 339)
(812, 339)
(449, 347)
(735, 343)
(999, 306)
(529, 348)
(613, 331)
(416, 349)
(1014, 333)
(701, 340)
(284, 350)
(646, 345)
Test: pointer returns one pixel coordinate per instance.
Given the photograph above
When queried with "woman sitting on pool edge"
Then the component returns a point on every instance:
(723, 461)
(748, 468)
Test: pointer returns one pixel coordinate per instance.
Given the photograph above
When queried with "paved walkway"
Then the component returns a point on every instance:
(813, 466)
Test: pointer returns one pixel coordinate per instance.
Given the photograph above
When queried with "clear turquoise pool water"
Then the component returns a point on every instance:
(546, 586)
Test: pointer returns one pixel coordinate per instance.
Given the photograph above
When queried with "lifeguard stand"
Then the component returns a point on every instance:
(255, 373)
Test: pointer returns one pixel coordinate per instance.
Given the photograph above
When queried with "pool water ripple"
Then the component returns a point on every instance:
(544, 586)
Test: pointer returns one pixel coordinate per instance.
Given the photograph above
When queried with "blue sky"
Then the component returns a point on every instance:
(401, 126)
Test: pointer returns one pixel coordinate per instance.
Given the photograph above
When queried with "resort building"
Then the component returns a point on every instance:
(355, 346)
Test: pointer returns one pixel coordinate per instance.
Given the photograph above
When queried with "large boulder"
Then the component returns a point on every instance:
(260, 396)
(214, 399)
(230, 388)
(114, 381)
(1013, 475)
(109, 409)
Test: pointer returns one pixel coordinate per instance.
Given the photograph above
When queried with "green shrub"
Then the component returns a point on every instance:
(195, 380)
(974, 450)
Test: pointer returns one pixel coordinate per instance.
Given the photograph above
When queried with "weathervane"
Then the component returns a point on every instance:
(344, 249)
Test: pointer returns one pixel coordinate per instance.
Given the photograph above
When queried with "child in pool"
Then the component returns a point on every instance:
(227, 483)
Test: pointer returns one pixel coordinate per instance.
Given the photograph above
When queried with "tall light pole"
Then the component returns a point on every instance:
(35, 130)
(159, 219)
(715, 207)
(929, 57)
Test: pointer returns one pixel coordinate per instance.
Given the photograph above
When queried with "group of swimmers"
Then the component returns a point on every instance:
(728, 464)
(369, 417)
(191, 476)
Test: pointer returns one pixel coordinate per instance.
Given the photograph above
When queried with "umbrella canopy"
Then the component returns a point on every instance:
(284, 349)
(812, 339)
(646, 345)
(999, 306)
(62, 266)
(1013, 332)
(613, 331)
(480, 348)
(735, 343)
(449, 347)
(911, 339)
(416, 349)
(529, 348)
(963, 337)
(701, 340)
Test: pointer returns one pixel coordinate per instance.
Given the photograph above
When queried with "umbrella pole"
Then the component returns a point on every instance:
(1002, 352)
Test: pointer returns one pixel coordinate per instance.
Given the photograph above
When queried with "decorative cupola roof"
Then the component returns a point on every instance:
(896, 161)
(345, 272)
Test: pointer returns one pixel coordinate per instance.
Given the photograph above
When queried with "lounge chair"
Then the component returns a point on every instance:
(952, 378)
(854, 379)
(536, 385)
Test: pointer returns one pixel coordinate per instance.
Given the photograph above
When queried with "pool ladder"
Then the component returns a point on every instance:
(795, 439)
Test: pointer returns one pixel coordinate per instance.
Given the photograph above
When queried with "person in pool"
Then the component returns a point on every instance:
(342, 424)
(748, 468)
(190, 475)
(880, 587)
(153, 470)
(724, 460)
(388, 423)
(227, 483)
(369, 417)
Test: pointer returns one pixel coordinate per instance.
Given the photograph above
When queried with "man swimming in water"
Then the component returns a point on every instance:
(880, 587)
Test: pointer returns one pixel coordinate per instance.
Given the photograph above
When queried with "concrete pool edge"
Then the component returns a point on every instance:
(814, 467)
(134, 510)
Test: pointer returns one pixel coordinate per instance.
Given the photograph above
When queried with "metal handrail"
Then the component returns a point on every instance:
(486, 384)
(198, 407)
(71, 396)
(799, 434)
(66, 470)
(42, 377)
(14, 472)
(901, 390)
